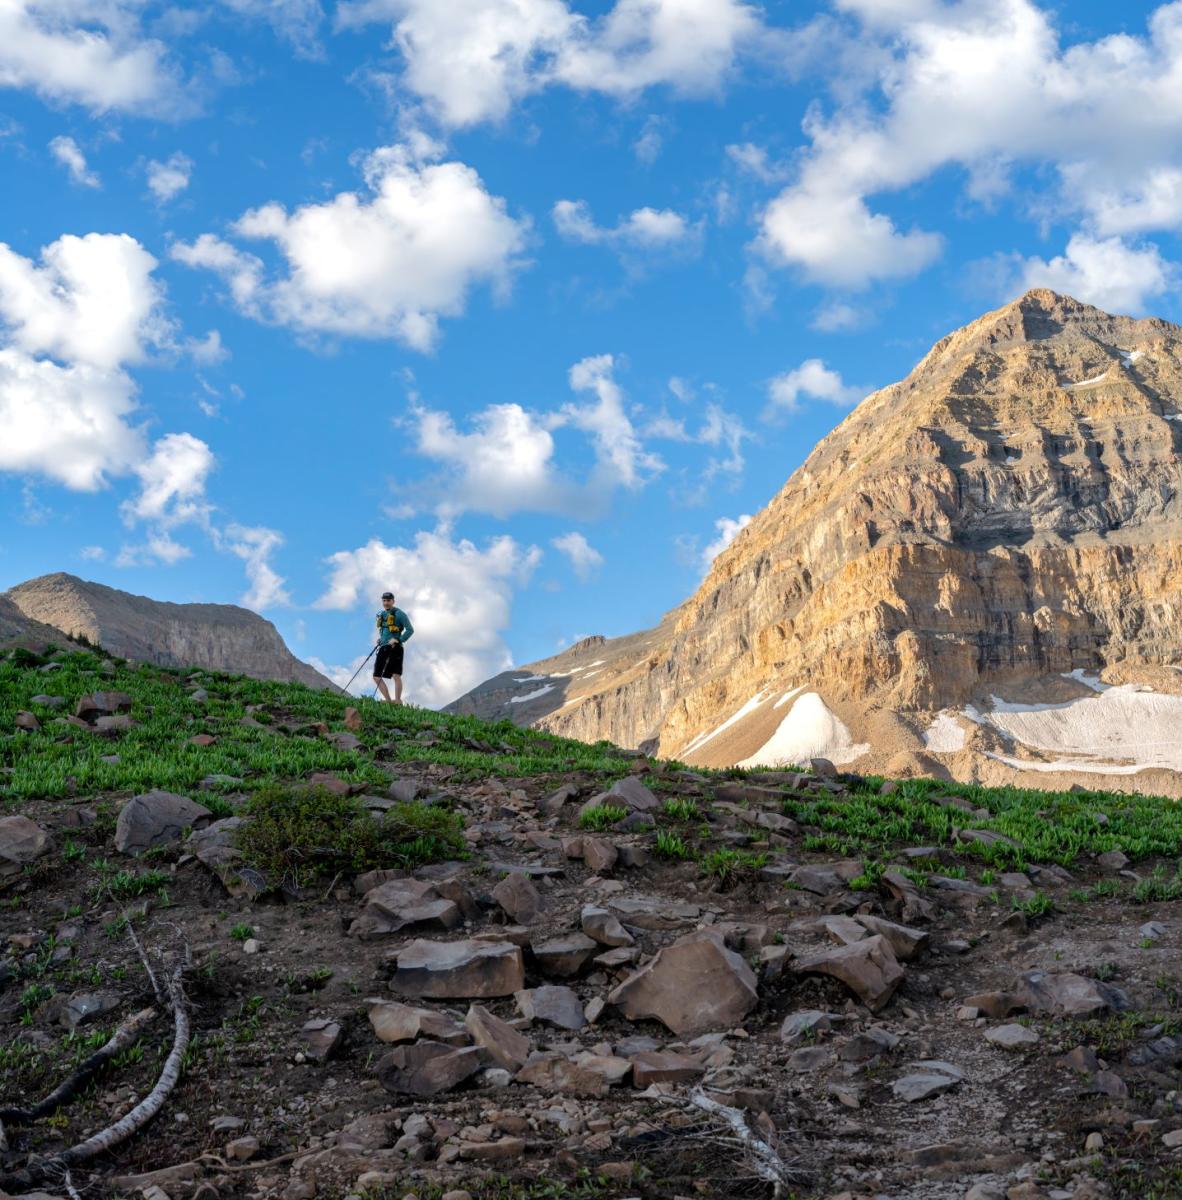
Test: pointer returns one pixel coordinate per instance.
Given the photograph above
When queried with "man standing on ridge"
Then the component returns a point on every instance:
(394, 631)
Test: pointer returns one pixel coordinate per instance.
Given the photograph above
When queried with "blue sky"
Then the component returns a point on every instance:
(518, 307)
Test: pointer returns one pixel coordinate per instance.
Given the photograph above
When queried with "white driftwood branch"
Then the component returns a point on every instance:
(151, 1104)
(126, 1035)
(768, 1165)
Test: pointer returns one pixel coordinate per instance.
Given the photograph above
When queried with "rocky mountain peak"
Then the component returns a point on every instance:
(1007, 516)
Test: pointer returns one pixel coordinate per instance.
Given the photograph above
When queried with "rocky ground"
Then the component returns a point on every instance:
(627, 980)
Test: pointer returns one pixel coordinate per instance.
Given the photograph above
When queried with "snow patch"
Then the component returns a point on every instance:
(747, 708)
(532, 679)
(809, 730)
(1087, 382)
(1011, 460)
(1088, 679)
(786, 697)
(945, 735)
(1128, 357)
(1117, 731)
(532, 695)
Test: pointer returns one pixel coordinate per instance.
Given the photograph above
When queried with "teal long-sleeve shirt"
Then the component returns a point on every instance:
(394, 626)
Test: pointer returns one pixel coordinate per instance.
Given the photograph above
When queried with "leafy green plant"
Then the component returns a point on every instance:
(602, 817)
(242, 932)
(298, 834)
(727, 865)
(683, 808)
(672, 845)
(1038, 905)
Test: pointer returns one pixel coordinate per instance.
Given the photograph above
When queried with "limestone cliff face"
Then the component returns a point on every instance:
(1011, 510)
(219, 637)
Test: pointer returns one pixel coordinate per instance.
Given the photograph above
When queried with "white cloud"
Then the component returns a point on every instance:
(833, 238)
(88, 52)
(69, 154)
(92, 300)
(68, 423)
(838, 317)
(255, 545)
(387, 264)
(92, 553)
(622, 459)
(643, 229)
(754, 160)
(506, 462)
(728, 529)
(457, 596)
(296, 21)
(811, 379)
(504, 465)
(471, 60)
(649, 142)
(984, 87)
(67, 327)
(584, 558)
(1104, 272)
(169, 178)
(172, 482)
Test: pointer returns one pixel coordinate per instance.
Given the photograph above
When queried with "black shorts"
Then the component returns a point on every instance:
(388, 661)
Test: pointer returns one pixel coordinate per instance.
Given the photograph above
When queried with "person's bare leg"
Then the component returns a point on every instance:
(397, 689)
(381, 684)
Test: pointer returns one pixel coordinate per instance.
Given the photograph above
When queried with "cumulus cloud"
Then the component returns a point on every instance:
(387, 264)
(813, 380)
(644, 229)
(255, 545)
(68, 325)
(91, 300)
(584, 558)
(622, 459)
(172, 481)
(1105, 272)
(470, 61)
(169, 178)
(458, 596)
(69, 154)
(506, 461)
(982, 86)
(68, 423)
(728, 529)
(88, 52)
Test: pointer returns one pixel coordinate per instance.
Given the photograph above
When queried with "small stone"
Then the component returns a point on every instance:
(1094, 1143)
(599, 854)
(156, 818)
(353, 721)
(564, 956)
(601, 925)
(1152, 930)
(1173, 1139)
(251, 946)
(868, 968)
(806, 1024)
(242, 1149)
(321, 1038)
(427, 1068)
(518, 898)
(1012, 1037)
(658, 1066)
(468, 969)
(554, 1004)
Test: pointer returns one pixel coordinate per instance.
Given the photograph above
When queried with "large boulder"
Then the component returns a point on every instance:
(404, 904)
(867, 967)
(427, 1068)
(467, 969)
(155, 819)
(21, 841)
(1052, 993)
(693, 986)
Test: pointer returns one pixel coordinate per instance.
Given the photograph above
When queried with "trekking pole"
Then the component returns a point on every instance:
(348, 685)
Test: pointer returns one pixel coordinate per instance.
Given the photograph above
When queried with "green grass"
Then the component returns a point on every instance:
(604, 816)
(242, 932)
(728, 866)
(298, 834)
(1049, 827)
(62, 760)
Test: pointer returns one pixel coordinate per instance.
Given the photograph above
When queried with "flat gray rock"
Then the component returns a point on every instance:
(156, 818)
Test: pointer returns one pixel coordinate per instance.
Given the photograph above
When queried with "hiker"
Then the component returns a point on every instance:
(394, 630)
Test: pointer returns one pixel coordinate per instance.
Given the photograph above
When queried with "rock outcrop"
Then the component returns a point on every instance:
(218, 637)
(1006, 522)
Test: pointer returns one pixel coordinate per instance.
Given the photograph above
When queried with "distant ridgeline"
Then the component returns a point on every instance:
(218, 637)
